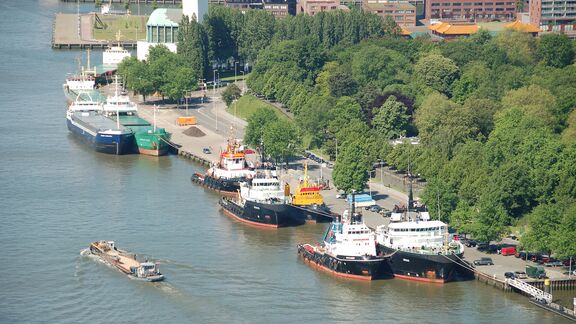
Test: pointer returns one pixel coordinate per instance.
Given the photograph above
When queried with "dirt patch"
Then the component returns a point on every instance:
(194, 132)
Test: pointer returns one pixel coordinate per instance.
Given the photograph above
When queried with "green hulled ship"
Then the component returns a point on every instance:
(150, 140)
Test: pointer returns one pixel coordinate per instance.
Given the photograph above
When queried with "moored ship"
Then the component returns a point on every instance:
(126, 262)
(421, 249)
(85, 120)
(150, 140)
(82, 86)
(226, 175)
(348, 250)
(262, 202)
(307, 203)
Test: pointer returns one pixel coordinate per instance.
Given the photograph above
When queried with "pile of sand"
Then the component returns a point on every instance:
(194, 132)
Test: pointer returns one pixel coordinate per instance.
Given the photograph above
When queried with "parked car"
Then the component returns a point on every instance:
(520, 274)
(468, 242)
(341, 195)
(509, 250)
(482, 246)
(491, 249)
(206, 150)
(483, 261)
(509, 275)
(375, 208)
(553, 263)
(543, 258)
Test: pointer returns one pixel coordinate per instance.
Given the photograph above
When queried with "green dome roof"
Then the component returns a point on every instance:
(165, 17)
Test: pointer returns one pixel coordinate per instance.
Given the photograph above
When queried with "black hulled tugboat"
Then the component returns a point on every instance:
(262, 202)
(225, 175)
(348, 250)
(420, 248)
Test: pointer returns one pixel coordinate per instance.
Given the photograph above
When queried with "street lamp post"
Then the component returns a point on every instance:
(186, 101)
(214, 98)
(235, 71)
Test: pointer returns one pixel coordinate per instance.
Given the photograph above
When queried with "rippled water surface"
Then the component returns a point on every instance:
(57, 196)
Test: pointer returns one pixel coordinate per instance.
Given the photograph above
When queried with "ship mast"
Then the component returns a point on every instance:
(305, 182)
(116, 101)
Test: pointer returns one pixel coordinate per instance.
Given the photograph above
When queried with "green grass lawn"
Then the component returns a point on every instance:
(231, 78)
(131, 27)
(248, 104)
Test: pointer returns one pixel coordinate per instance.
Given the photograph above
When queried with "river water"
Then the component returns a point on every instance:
(57, 196)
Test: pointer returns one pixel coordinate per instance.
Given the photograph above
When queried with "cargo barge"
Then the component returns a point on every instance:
(126, 262)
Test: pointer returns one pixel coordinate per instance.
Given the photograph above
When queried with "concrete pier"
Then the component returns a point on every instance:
(71, 31)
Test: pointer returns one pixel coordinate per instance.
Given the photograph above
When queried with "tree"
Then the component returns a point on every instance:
(256, 34)
(380, 66)
(536, 103)
(279, 138)
(193, 46)
(126, 4)
(569, 134)
(391, 119)
(390, 26)
(136, 76)
(543, 224)
(179, 78)
(98, 3)
(154, 4)
(231, 93)
(556, 50)
(437, 72)
(257, 122)
(444, 124)
(564, 238)
(351, 168)
(223, 26)
(341, 83)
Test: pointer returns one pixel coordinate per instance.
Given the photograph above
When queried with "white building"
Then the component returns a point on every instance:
(162, 25)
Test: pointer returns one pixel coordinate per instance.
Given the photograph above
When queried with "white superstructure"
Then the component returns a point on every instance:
(119, 103)
(113, 55)
(81, 82)
(265, 190)
(418, 236)
(232, 163)
(85, 105)
(350, 237)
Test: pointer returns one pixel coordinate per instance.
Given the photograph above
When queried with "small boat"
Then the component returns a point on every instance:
(126, 262)
(348, 250)
(307, 202)
(261, 202)
(226, 175)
